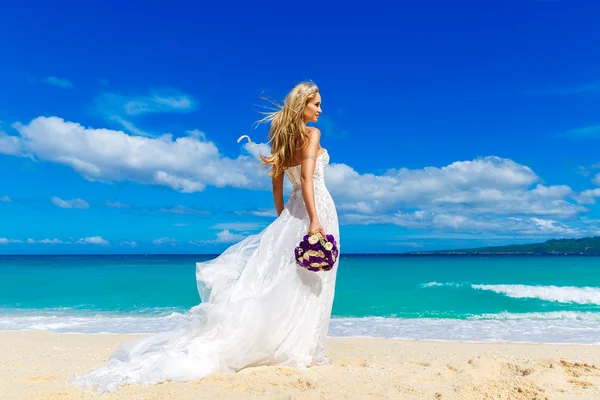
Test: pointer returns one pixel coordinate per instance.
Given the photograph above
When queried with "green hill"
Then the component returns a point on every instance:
(583, 246)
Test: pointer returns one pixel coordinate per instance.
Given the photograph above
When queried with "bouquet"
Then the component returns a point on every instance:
(316, 253)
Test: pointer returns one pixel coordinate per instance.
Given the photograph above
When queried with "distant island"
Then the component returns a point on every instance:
(589, 246)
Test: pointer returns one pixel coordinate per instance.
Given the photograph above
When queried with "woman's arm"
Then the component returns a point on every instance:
(309, 158)
(277, 183)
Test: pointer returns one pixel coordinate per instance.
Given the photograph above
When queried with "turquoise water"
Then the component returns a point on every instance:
(535, 299)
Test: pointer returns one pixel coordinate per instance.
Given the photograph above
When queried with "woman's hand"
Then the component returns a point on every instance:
(315, 226)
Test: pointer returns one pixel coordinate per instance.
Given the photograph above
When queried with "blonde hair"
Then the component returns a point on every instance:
(288, 127)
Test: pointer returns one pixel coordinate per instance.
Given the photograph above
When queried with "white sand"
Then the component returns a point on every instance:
(36, 365)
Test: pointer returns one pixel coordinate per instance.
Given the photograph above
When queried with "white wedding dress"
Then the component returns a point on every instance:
(258, 307)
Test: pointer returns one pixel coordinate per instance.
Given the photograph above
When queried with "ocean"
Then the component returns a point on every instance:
(532, 299)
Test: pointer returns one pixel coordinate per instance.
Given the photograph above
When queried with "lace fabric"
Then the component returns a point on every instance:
(258, 307)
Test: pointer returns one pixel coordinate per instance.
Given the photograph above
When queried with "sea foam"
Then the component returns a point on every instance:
(560, 294)
(552, 327)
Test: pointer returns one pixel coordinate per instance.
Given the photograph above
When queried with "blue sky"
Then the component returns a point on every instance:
(449, 125)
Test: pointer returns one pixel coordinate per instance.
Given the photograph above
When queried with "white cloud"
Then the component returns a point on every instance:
(5, 199)
(119, 108)
(444, 185)
(226, 236)
(272, 213)
(597, 180)
(185, 164)
(223, 237)
(165, 240)
(50, 241)
(179, 209)
(583, 133)
(197, 134)
(552, 192)
(93, 240)
(451, 185)
(265, 213)
(75, 203)
(480, 194)
(127, 125)
(129, 243)
(7, 241)
(156, 102)
(489, 185)
(550, 226)
(181, 224)
(116, 204)
(588, 196)
(45, 241)
(11, 145)
(258, 149)
(360, 207)
(238, 226)
(486, 195)
(63, 83)
(474, 224)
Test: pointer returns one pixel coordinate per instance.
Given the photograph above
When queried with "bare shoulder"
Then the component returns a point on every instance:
(314, 134)
(312, 130)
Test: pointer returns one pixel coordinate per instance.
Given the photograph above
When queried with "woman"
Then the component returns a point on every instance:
(258, 307)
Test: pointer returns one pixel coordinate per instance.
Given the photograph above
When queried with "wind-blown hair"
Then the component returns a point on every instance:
(288, 129)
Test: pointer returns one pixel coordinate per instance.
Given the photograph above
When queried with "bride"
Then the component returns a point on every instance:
(258, 307)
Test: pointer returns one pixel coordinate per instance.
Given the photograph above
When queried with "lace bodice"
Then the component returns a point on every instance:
(294, 173)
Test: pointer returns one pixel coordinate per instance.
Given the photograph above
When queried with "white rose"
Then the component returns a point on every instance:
(328, 246)
(313, 239)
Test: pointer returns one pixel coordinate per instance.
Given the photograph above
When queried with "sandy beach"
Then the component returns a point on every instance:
(36, 365)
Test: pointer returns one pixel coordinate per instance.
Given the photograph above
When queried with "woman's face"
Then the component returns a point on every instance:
(312, 110)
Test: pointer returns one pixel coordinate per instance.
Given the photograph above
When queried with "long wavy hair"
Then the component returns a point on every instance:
(288, 130)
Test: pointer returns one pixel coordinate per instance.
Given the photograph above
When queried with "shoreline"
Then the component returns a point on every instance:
(441, 341)
(564, 328)
(37, 364)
